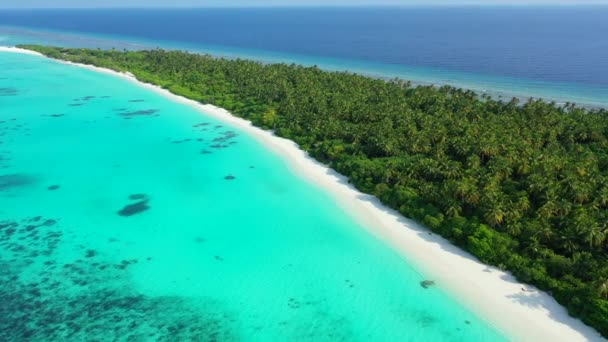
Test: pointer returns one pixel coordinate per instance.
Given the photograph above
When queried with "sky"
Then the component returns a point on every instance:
(256, 3)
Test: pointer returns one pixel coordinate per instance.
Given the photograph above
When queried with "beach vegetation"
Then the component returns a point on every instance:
(522, 186)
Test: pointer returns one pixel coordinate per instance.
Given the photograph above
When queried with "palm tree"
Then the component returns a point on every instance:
(495, 216)
(602, 289)
(467, 191)
(571, 237)
(545, 233)
(603, 196)
(548, 210)
(595, 236)
(453, 208)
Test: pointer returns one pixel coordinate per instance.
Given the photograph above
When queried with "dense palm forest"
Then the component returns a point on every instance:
(523, 186)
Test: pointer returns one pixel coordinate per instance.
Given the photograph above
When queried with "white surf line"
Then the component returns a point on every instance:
(492, 294)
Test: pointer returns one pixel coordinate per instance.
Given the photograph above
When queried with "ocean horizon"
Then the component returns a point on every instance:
(422, 45)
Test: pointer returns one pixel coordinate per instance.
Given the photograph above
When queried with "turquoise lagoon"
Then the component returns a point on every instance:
(125, 215)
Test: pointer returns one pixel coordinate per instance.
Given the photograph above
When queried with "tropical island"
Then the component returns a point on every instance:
(522, 186)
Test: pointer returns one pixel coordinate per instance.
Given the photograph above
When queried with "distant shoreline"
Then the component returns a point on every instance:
(531, 89)
(529, 315)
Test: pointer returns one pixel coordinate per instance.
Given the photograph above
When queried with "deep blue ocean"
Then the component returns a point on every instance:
(552, 44)
(558, 53)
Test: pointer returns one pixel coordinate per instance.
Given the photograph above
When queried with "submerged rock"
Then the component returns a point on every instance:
(35, 219)
(218, 146)
(145, 112)
(8, 91)
(427, 283)
(49, 222)
(134, 209)
(14, 180)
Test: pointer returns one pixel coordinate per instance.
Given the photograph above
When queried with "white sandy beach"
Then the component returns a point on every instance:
(529, 315)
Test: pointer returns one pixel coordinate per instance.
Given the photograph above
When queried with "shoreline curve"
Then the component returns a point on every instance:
(520, 311)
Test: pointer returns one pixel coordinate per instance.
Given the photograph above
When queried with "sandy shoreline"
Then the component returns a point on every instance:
(529, 315)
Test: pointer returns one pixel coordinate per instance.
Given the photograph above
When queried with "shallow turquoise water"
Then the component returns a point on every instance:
(223, 241)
